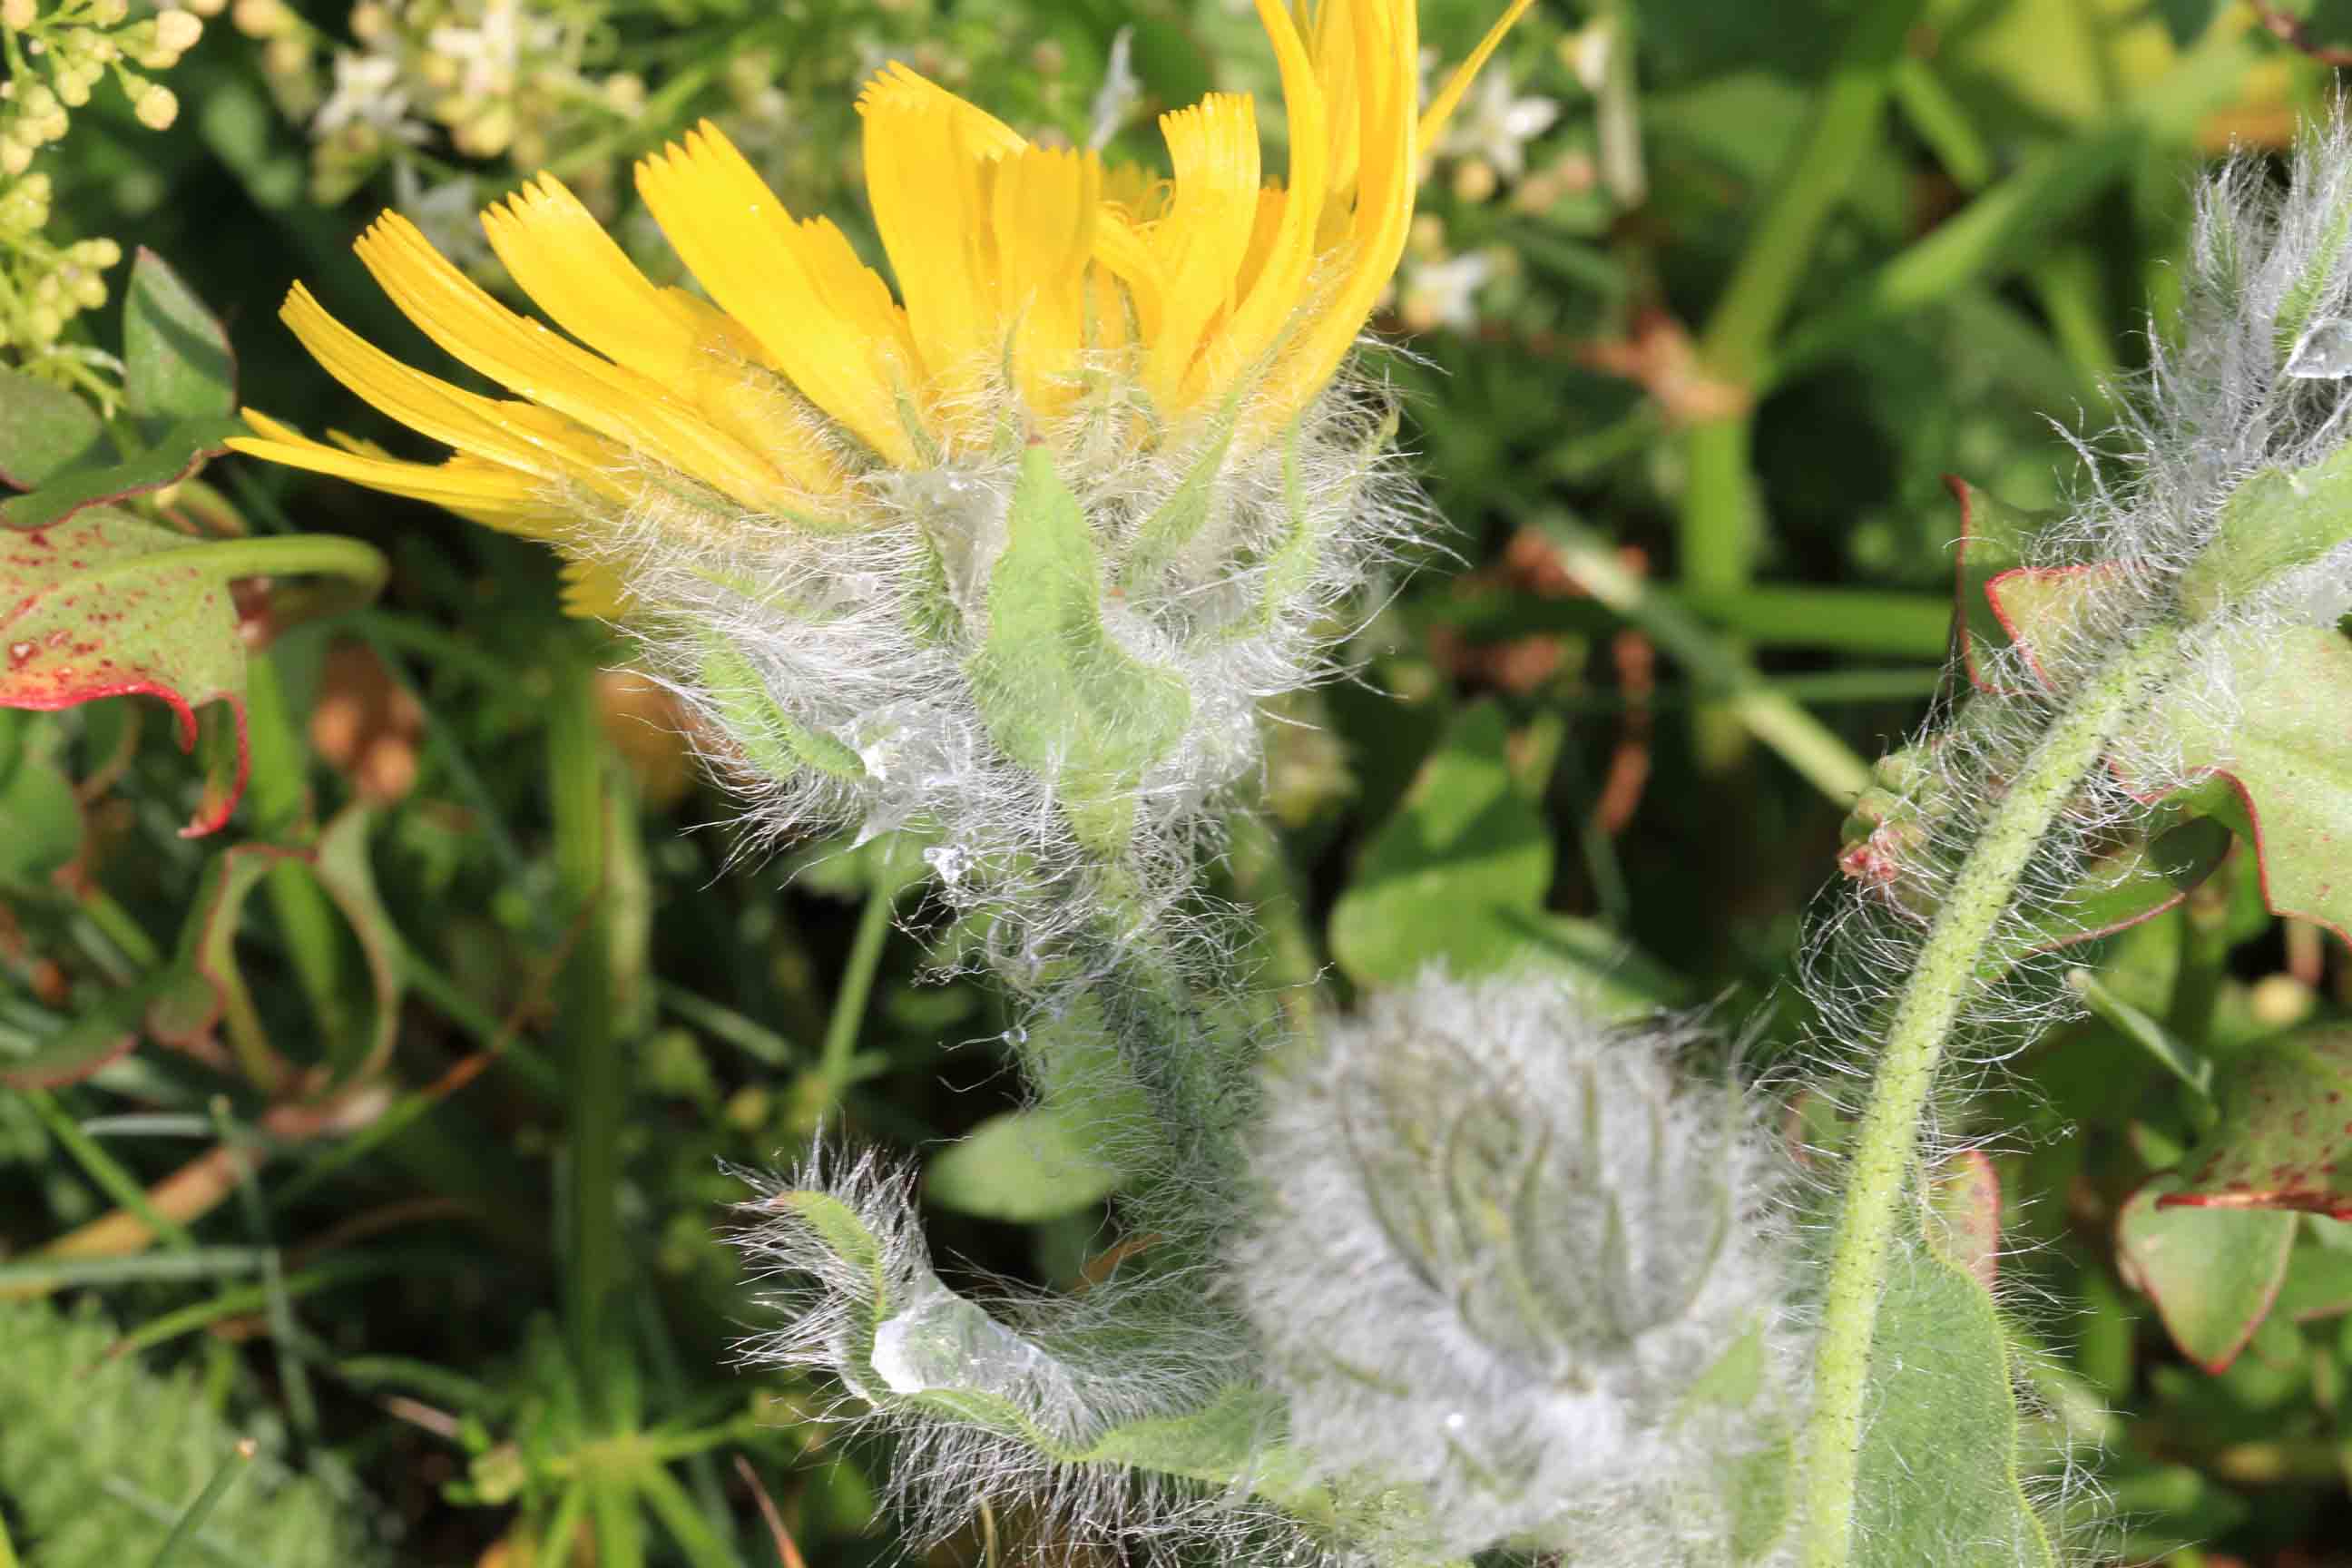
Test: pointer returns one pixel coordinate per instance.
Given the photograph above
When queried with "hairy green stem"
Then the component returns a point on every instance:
(1926, 1011)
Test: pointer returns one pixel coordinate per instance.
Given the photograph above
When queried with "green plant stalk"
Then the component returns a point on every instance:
(281, 790)
(856, 988)
(102, 1168)
(7, 1548)
(1886, 1143)
(199, 1511)
(286, 555)
(596, 1087)
(1720, 523)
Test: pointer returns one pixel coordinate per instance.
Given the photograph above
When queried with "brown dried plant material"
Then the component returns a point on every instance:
(366, 725)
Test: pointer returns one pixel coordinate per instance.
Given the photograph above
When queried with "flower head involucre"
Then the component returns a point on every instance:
(1504, 1247)
(1010, 555)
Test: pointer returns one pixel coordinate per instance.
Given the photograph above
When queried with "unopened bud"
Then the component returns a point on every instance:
(178, 31)
(19, 14)
(157, 107)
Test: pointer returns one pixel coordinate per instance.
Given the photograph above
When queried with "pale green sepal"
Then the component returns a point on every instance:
(1180, 519)
(1059, 695)
(768, 738)
(2275, 523)
(2304, 293)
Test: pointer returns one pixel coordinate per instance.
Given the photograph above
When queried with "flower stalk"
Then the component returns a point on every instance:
(1885, 1156)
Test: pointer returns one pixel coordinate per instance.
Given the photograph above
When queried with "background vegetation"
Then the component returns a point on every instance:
(390, 1128)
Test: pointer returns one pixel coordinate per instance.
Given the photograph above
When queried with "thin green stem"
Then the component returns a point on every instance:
(102, 1168)
(287, 556)
(1721, 523)
(1926, 1011)
(281, 791)
(199, 1511)
(597, 1086)
(7, 1548)
(834, 1065)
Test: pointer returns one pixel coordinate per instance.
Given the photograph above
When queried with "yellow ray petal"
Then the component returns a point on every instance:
(1370, 237)
(630, 408)
(1201, 243)
(533, 440)
(481, 490)
(737, 237)
(1125, 254)
(1043, 207)
(929, 185)
(1449, 97)
(1279, 287)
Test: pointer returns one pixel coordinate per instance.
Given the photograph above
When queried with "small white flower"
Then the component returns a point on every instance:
(1497, 126)
(368, 92)
(1446, 293)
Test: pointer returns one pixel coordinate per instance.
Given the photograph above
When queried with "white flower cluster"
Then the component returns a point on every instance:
(1506, 1255)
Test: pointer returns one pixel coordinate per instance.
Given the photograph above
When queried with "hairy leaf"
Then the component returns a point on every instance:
(1941, 1478)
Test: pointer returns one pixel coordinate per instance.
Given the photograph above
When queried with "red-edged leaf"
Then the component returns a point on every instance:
(208, 990)
(178, 453)
(2213, 1274)
(102, 1035)
(2285, 1139)
(2318, 1283)
(1963, 1220)
(108, 604)
(1993, 541)
(2041, 610)
(44, 429)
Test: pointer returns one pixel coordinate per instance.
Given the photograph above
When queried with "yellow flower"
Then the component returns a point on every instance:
(1035, 286)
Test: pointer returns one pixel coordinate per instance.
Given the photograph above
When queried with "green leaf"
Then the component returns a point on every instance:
(1060, 696)
(108, 604)
(43, 818)
(1022, 1167)
(44, 429)
(178, 452)
(2318, 1283)
(2212, 1273)
(98, 1036)
(2285, 1131)
(207, 988)
(1940, 1483)
(2287, 746)
(2273, 523)
(176, 363)
(1465, 846)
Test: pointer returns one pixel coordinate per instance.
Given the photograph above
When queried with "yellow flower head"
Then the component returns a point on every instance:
(1010, 555)
(1020, 268)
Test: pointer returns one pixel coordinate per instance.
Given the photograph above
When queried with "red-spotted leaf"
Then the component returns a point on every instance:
(44, 429)
(176, 363)
(2213, 1274)
(2285, 1136)
(108, 604)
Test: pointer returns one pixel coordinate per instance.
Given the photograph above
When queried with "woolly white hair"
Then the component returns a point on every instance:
(1501, 1245)
(2245, 405)
(838, 660)
(1014, 1400)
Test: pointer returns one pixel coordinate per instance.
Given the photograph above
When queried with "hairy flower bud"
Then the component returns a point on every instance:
(1506, 1255)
